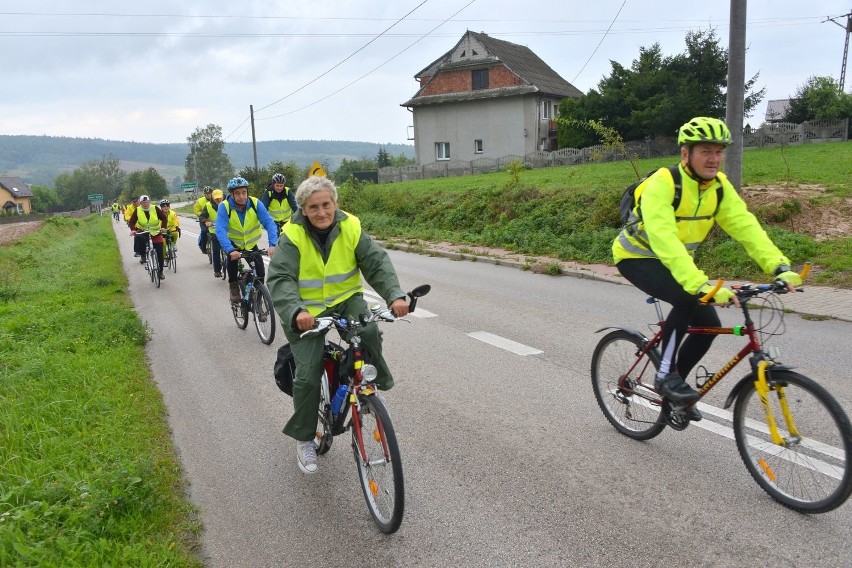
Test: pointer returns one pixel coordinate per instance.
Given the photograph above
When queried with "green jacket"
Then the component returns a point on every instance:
(673, 236)
(283, 275)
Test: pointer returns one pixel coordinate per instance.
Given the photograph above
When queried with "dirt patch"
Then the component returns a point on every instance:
(806, 209)
(10, 232)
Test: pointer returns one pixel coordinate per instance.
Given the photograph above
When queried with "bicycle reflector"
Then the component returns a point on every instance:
(369, 373)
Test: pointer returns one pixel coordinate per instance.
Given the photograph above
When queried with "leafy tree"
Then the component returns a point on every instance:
(259, 180)
(43, 198)
(207, 163)
(149, 182)
(655, 95)
(105, 177)
(819, 99)
(401, 160)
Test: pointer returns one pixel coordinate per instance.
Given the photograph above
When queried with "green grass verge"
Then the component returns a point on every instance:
(89, 475)
(571, 212)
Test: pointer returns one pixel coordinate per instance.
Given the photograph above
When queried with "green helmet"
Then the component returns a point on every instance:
(704, 129)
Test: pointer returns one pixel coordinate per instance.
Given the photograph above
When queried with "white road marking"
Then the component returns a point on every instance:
(503, 343)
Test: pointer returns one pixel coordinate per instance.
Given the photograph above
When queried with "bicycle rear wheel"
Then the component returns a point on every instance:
(808, 472)
(264, 314)
(624, 385)
(381, 472)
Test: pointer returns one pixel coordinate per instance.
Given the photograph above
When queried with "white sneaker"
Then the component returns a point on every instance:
(306, 454)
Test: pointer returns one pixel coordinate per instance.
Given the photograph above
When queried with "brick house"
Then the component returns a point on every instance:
(486, 98)
(15, 196)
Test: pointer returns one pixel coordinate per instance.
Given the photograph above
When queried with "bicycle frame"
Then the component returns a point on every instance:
(760, 363)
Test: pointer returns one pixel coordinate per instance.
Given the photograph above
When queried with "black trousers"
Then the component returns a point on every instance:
(653, 278)
(257, 261)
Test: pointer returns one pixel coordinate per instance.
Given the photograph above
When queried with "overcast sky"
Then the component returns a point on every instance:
(154, 70)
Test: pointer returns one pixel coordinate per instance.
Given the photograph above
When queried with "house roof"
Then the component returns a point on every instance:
(16, 186)
(538, 77)
(777, 109)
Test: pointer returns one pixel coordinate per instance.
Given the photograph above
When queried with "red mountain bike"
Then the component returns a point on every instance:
(792, 435)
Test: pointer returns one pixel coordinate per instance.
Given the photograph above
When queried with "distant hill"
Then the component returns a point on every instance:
(39, 159)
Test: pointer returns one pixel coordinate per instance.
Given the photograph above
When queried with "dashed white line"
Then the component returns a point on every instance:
(503, 343)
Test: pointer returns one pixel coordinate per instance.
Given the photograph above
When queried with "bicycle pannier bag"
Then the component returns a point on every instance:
(285, 369)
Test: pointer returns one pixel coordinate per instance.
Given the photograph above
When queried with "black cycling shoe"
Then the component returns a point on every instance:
(674, 388)
(693, 413)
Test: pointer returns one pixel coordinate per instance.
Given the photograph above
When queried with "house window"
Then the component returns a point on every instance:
(480, 79)
(477, 146)
(442, 150)
(545, 110)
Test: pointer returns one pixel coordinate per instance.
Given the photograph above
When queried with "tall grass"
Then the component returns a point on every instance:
(89, 475)
(571, 212)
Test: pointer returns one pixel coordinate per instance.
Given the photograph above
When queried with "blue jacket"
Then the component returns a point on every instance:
(262, 215)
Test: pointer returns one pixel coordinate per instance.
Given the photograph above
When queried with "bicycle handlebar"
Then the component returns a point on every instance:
(744, 291)
(377, 314)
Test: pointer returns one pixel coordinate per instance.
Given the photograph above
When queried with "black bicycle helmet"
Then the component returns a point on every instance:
(165, 202)
(278, 178)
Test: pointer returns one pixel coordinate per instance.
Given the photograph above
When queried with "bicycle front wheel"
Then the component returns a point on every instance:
(623, 384)
(240, 310)
(808, 469)
(379, 464)
(173, 257)
(264, 314)
(155, 268)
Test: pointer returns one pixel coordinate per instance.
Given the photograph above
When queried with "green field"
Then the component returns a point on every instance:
(571, 212)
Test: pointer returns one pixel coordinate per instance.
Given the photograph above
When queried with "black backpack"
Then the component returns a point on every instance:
(628, 198)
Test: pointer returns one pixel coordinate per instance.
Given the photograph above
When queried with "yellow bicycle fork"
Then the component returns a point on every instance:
(762, 387)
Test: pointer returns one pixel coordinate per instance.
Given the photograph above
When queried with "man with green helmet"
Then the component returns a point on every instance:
(655, 250)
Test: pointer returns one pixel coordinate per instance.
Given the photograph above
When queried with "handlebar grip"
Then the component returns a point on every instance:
(806, 269)
(705, 299)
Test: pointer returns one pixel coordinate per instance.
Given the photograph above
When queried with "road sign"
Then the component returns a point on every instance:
(96, 197)
(316, 170)
(190, 186)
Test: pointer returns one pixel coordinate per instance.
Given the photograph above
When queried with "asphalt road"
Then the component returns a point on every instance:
(508, 461)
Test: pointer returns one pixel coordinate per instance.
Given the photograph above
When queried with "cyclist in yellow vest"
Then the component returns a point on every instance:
(240, 222)
(115, 210)
(654, 251)
(279, 200)
(129, 208)
(317, 271)
(173, 224)
(147, 218)
(197, 208)
(208, 220)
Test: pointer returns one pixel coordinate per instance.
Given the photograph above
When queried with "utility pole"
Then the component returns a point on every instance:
(848, 28)
(253, 139)
(736, 92)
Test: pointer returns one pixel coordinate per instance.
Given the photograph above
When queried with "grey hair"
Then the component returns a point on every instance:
(312, 185)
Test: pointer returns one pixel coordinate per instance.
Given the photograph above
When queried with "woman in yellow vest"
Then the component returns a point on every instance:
(315, 272)
(173, 224)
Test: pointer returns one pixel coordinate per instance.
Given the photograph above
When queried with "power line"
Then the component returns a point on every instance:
(600, 42)
(421, 38)
(344, 60)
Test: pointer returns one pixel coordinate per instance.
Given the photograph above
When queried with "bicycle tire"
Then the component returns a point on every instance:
(209, 249)
(150, 260)
(324, 436)
(223, 263)
(261, 306)
(155, 267)
(634, 409)
(173, 257)
(381, 474)
(240, 309)
(812, 474)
